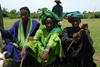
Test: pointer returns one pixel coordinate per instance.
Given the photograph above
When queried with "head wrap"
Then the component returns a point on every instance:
(50, 14)
(75, 14)
(25, 8)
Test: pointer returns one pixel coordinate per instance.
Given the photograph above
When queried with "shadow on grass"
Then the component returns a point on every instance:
(11, 63)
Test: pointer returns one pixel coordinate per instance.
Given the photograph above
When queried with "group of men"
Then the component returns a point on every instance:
(80, 52)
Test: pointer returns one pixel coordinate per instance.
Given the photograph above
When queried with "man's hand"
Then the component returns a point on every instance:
(76, 36)
(44, 58)
(84, 26)
(22, 54)
(30, 39)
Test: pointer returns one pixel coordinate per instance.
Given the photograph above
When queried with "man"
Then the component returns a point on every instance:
(58, 9)
(81, 51)
(22, 31)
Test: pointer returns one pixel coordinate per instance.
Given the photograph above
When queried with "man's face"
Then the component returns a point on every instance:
(75, 22)
(49, 24)
(24, 15)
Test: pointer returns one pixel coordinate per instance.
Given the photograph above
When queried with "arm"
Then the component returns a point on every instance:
(86, 33)
(23, 52)
(84, 27)
(7, 33)
(54, 45)
(44, 58)
(61, 13)
(11, 32)
(88, 37)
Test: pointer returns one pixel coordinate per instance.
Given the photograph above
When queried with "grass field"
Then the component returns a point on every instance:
(93, 25)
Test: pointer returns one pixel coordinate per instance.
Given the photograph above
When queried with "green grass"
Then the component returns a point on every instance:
(93, 26)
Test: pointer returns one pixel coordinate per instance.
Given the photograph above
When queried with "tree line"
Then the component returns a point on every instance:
(16, 14)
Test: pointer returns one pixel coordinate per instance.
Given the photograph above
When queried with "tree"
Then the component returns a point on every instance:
(89, 12)
(4, 10)
(13, 11)
(13, 14)
(41, 10)
(84, 12)
(34, 15)
(44, 9)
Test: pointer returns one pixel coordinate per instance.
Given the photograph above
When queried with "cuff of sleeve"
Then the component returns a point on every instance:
(46, 50)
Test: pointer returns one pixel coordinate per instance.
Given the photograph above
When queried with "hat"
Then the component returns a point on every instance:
(49, 13)
(74, 14)
(58, 1)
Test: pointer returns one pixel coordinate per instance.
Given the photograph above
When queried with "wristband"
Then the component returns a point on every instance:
(47, 50)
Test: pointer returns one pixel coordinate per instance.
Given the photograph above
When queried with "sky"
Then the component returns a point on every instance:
(68, 5)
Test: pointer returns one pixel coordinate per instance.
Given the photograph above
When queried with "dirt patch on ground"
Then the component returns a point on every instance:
(96, 59)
